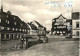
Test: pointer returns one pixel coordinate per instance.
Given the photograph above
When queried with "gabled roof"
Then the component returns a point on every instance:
(32, 26)
(38, 24)
(12, 18)
(59, 17)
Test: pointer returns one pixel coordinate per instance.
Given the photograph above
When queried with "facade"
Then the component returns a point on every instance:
(76, 24)
(61, 26)
(12, 27)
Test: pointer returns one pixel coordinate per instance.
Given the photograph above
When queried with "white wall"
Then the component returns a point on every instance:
(74, 24)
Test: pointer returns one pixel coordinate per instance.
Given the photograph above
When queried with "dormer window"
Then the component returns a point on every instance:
(15, 23)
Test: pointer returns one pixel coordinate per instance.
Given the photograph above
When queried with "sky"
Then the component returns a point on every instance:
(42, 11)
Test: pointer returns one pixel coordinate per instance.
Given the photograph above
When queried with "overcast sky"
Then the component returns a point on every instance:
(39, 10)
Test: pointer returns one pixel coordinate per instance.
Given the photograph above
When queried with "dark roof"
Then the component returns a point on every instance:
(32, 26)
(39, 24)
(11, 20)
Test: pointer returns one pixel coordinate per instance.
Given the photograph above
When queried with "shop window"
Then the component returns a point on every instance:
(57, 31)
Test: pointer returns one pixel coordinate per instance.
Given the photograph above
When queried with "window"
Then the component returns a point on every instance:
(7, 16)
(19, 29)
(13, 29)
(2, 28)
(77, 33)
(63, 31)
(16, 29)
(57, 31)
(25, 30)
(77, 24)
(15, 23)
(8, 28)
(14, 18)
(60, 31)
(21, 24)
(7, 21)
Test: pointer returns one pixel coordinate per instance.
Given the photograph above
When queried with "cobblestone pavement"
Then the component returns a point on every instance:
(55, 47)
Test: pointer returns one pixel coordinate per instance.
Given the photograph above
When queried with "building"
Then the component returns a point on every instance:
(36, 28)
(61, 25)
(12, 27)
(76, 24)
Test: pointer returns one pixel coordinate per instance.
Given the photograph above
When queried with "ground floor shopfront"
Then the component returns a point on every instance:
(76, 33)
(60, 30)
(11, 35)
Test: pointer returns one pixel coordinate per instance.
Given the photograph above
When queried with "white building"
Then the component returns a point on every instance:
(76, 24)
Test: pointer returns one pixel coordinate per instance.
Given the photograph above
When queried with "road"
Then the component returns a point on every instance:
(55, 47)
